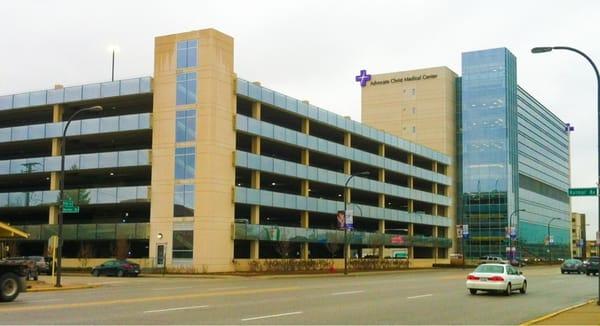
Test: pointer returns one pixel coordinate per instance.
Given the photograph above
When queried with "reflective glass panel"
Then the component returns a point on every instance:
(183, 244)
(184, 201)
(185, 162)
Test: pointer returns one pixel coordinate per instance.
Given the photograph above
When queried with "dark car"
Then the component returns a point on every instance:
(118, 268)
(572, 266)
(592, 266)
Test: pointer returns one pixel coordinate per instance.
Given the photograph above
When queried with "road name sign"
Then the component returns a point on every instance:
(69, 208)
(573, 192)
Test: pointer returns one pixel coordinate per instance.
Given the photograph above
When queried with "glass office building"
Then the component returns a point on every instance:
(514, 163)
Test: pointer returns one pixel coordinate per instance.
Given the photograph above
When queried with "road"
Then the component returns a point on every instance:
(407, 297)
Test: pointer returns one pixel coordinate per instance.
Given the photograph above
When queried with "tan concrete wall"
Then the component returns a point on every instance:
(215, 144)
(387, 104)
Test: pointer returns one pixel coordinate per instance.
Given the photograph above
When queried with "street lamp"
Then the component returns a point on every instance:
(549, 251)
(550, 48)
(96, 108)
(510, 224)
(345, 226)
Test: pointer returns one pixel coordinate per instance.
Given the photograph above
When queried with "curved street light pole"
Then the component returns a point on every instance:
(62, 190)
(510, 224)
(345, 226)
(550, 48)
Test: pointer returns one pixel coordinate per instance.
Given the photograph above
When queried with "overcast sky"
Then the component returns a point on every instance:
(313, 49)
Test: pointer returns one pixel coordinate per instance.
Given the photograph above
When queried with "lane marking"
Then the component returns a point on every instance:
(13, 308)
(228, 288)
(172, 288)
(420, 296)
(175, 309)
(348, 292)
(46, 300)
(273, 316)
(110, 282)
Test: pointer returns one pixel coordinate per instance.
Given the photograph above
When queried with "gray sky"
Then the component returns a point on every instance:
(312, 49)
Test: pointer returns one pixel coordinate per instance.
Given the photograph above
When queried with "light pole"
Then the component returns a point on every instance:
(510, 224)
(62, 190)
(549, 245)
(550, 48)
(114, 49)
(345, 226)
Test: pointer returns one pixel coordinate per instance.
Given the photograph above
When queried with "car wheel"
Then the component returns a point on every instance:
(120, 273)
(562, 272)
(508, 290)
(96, 272)
(523, 289)
(9, 287)
(473, 291)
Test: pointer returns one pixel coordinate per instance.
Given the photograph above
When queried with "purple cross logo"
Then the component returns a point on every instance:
(363, 78)
(569, 127)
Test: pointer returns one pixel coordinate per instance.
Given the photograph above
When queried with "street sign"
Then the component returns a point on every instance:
(465, 229)
(349, 219)
(459, 231)
(573, 192)
(68, 207)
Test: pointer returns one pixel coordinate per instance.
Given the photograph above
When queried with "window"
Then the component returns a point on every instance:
(185, 126)
(184, 201)
(186, 88)
(183, 244)
(185, 162)
(187, 53)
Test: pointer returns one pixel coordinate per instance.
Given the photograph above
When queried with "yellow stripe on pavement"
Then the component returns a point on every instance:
(150, 299)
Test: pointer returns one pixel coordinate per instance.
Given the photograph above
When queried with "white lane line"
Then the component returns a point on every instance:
(348, 292)
(420, 296)
(228, 288)
(273, 316)
(172, 288)
(175, 309)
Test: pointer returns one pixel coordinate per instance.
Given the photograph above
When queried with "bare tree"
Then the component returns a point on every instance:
(86, 251)
(284, 248)
(334, 242)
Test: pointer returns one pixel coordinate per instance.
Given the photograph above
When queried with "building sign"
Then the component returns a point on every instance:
(401, 79)
(363, 78)
(349, 219)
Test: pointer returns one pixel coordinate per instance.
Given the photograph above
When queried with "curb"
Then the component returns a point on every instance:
(550, 315)
(64, 288)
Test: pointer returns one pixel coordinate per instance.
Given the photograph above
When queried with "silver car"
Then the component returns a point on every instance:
(496, 277)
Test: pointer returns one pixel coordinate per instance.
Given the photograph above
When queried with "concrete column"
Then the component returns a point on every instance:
(411, 250)
(304, 222)
(57, 113)
(256, 110)
(254, 219)
(435, 249)
(381, 229)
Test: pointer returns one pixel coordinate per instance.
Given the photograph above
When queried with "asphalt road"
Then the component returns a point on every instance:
(407, 297)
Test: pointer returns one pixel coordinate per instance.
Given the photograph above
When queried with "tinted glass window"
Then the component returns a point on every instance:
(187, 53)
(185, 162)
(489, 269)
(183, 244)
(183, 201)
(186, 126)
(186, 88)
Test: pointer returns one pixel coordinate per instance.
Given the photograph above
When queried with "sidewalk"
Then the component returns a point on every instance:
(587, 313)
(44, 286)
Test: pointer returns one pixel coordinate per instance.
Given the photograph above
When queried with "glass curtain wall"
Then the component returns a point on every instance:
(489, 149)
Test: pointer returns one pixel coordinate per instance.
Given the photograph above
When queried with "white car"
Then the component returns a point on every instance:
(496, 277)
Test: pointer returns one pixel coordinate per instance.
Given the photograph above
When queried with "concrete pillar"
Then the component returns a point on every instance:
(304, 222)
(411, 249)
(381, 229)
(57, 113)
(435, 249)
(256, 110)
(254, 219)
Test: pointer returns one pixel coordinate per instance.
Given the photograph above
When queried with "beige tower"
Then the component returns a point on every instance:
(420, 106)
(208, 229)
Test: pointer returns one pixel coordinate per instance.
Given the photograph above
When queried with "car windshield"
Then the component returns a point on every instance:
(490, 269)
(572, 261)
